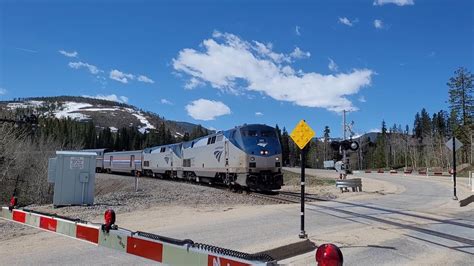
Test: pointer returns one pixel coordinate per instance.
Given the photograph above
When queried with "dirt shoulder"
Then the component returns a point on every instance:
(323, 182)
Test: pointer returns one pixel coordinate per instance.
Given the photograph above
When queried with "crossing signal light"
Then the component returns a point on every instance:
(345, 145)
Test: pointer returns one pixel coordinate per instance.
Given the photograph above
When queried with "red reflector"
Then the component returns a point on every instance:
(213, 260)
(13, 201)
(88, 234)
(19, 216)
(329, 255)
(144, 248)
(48, 223)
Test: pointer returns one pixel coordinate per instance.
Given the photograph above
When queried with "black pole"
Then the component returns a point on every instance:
(454, 168)
(303, 159)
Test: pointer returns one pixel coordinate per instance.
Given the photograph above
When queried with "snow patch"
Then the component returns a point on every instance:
(69, 109)
(99, 109)
(144, 121)
(113, 129)
(139, 115)
(28, 104)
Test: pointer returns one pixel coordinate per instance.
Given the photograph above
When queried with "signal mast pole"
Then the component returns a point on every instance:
(344, 127)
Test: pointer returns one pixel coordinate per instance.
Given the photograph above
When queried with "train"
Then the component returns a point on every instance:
(245, 157)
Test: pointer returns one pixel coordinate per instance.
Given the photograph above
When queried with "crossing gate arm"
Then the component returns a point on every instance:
(157, 248)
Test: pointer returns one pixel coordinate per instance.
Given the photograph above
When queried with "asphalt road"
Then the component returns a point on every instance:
(421, 225)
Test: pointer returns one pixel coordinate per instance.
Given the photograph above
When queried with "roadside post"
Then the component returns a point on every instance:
(301, 135)
(453, 144)
(137, 175)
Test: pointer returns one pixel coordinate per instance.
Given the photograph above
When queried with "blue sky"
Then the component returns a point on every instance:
(223, 63)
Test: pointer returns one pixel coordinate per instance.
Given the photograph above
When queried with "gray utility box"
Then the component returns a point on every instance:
(73, 175)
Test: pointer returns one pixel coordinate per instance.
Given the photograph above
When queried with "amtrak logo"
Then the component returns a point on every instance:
(167, 159)
(218, 155)
(262, 143)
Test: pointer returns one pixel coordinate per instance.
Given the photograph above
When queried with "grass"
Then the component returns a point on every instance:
(290, 178)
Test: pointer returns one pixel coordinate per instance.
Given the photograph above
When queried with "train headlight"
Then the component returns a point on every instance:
(266, 152)
(277, 159)
(252, 158)
(262, 152)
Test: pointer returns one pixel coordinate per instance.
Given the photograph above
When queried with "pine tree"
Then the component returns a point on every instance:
(285, 146)
(425, 123)
(417, 127)
(327, 131)
(461, 94)
(278, 132)
(381, 143)
(186, 136)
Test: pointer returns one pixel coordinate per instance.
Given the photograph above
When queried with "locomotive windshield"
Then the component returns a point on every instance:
(267, 133)
(256, 139)
(259, 133)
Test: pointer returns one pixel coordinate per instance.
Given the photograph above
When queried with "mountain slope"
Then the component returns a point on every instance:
(103, 113)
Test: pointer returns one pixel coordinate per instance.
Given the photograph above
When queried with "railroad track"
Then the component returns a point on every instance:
(285, 197)
(280, 197)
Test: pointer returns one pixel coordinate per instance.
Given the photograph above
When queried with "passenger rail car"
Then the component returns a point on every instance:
(99, 158)
(123, 162)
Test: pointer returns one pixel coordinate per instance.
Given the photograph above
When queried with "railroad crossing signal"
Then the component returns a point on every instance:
(302, 134)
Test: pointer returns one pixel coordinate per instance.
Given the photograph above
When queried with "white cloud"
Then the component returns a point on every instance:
(258, 113)
(362, 99)
(204, 109)
(165, 101)
(263, 50)
(68, 54)
(120, 76)
(298, 54)
(378, 24)
(111, 97)
(229, 63)
(3, 91)
(332, 65)
(92, 69)
(145, 79)
(297, 30)
(193, 83)
(396, 2)
(346, 21)
(26, 50)
(377, 130)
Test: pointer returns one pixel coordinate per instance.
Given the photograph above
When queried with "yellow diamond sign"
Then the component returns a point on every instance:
(302, 134)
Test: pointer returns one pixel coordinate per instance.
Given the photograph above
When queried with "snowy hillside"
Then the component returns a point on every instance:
(103, 113)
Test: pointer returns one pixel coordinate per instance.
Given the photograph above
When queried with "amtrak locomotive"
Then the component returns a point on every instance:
(245, 157)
